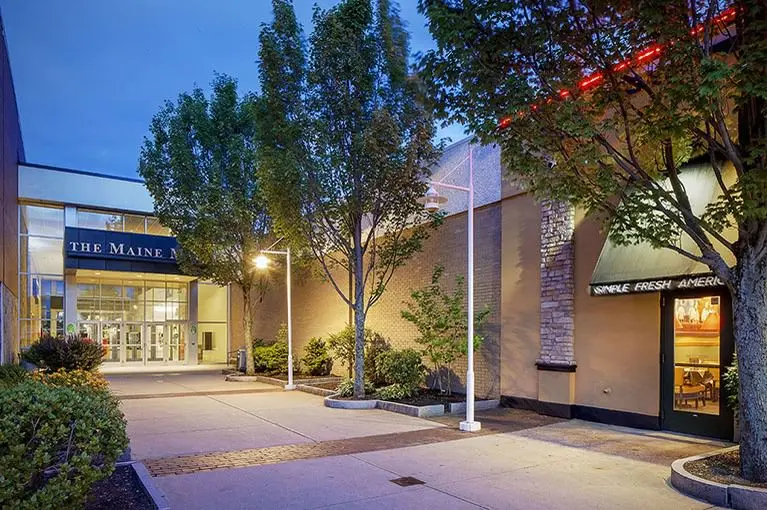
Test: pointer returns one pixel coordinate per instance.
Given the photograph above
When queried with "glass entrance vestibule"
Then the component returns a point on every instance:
(136, 321)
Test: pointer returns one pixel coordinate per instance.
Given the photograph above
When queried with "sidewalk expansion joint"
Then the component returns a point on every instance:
(208, 393)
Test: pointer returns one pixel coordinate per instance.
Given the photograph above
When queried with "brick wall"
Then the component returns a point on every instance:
(557, 280)
(318, 310)
(11, 152)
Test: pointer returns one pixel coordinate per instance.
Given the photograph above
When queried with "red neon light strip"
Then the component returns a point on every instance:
(646, 55)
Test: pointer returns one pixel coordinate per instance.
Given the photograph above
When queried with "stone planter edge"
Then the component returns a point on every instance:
(479, 405)
(726, 495)
(150, 488)
(337, 403)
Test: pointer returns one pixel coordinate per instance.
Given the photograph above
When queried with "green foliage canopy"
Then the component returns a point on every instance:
(346, 145)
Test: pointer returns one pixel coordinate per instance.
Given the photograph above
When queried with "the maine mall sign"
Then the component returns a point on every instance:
(120, 250)
(119, 245)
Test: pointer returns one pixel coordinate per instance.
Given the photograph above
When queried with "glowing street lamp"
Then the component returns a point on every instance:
(262, 263)
(432, 202)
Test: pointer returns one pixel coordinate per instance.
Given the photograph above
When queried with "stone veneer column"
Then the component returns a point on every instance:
(557, 285)
(556, 361)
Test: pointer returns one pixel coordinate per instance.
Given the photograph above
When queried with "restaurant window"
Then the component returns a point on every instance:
(697, 370)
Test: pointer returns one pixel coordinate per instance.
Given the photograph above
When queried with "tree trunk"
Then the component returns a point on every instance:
(359, 314)
(749, 304)
(247, 319)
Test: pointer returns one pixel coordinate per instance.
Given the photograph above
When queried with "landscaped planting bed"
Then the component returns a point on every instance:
(721, 468)
(122, 489)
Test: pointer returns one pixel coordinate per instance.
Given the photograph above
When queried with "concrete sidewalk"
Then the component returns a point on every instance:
(214, 420)
(280, 449)
(517, 470)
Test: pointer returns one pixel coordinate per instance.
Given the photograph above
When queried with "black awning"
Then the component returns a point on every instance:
(642, 268)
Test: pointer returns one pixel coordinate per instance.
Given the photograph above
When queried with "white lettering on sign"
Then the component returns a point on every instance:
(121, 249)
(656, 285)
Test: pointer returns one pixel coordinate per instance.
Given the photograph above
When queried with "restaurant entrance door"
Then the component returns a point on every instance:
(696, 348)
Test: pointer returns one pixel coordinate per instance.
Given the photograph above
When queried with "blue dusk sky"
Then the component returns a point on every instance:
(89, 74)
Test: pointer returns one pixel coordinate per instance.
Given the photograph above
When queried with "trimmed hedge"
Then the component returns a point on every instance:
(55, 442)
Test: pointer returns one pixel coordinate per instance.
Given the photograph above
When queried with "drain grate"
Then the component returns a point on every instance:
(407, 481)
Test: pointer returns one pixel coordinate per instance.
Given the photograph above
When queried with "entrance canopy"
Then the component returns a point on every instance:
(642, 268)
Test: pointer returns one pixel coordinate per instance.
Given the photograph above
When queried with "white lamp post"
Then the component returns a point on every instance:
(262, 262)
(432, 201)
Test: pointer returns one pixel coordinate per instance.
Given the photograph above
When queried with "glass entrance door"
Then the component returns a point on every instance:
(176, 341)
(134, 343)
(155, 336)
(111, 340)
(697, 348)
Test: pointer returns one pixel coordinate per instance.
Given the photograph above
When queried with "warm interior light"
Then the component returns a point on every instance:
(261, 262)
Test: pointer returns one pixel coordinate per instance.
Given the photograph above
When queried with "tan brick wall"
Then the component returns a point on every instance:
(318, 310)
(520, 291)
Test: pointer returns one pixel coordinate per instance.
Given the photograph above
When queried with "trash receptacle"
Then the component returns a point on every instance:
(241, 365)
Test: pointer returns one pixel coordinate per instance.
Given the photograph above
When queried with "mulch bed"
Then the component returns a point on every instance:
(121, 490)
(424, 397)
(431, 397)
(722, 468)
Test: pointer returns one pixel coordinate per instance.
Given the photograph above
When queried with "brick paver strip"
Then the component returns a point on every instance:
(137, 396)
(276, 454)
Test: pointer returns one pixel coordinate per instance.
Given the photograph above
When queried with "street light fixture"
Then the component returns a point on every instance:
(262, 262)
(432, 202)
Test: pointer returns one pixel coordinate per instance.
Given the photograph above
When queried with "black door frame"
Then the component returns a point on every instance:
(689, 422)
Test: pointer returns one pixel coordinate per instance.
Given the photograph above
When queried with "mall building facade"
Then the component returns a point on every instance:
(93, 261)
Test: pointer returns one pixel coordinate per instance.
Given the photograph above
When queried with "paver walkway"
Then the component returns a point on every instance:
(278, 450)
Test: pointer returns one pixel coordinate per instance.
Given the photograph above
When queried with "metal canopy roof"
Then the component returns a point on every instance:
(642, 268)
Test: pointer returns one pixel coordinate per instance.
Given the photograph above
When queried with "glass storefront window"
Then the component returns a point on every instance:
(42, 221)
(697, 370)
(99, 220)
(45, 255)
(154, 227)
(135, 224)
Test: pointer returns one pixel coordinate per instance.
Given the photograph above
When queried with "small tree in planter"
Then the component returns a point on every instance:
(442, 321)
(342, 345)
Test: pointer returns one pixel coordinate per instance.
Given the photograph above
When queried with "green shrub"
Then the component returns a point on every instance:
(71, 353)
(375, 344)
(442, 321)
(395, 392)
(55, 442)
(11, 375)
(271, 359)
(403, 367)
(317, 360)
(73, 379)
(342, 345)
(346, 388)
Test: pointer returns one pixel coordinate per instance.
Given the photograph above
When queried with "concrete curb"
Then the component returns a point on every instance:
(479, 405)
(323, 392)
(724, 495)
(394, 407)
(278, 382)
(418, 411)
(152, 490)
(349, 404)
